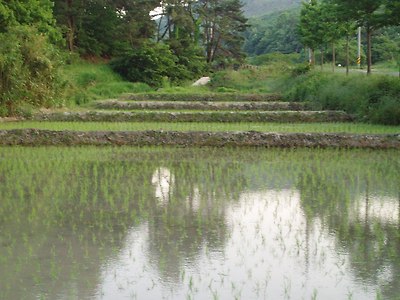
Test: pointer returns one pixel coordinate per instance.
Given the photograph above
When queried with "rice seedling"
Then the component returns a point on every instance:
(77, 220)
(356, 128)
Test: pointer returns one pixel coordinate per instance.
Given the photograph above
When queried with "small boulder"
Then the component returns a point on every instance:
(202, 81)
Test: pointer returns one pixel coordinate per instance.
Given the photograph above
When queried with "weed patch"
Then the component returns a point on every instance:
(374, 99)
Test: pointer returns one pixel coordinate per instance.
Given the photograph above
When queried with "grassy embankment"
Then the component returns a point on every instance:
(262, 127)
(88, 81)
(372, 99)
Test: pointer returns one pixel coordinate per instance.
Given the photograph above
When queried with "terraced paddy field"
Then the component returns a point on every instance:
(199, 223)
(352, 128)
(201, 105)
(199, 120)
(198, 116)
(242, 209)
(215, 97)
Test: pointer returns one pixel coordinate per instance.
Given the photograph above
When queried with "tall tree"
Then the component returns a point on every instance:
(179, 27)
(176, 20)
(333, 28)
(393, 12)
(370, 14)
(311, 28)
(98, 33)
(137, 26)
(69, 14)
(103, 27)
(223, 26)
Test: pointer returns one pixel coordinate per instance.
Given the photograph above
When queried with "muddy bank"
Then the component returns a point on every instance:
(155, 116)
(193, 105)
(202, 97)
(34, 137)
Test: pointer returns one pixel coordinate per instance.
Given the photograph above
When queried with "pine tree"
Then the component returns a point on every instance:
(181, 33)
(223, 26)
(105, 27)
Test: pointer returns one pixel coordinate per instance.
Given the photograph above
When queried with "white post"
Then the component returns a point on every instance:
(359, 48)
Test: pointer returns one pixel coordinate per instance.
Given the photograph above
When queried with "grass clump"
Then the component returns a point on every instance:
(183, 89)
(257, 80)
(265, 74)
(277, 57)
(372, 99)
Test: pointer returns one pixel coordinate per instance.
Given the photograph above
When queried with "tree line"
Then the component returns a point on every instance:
(326, 26)
(325, 22)
(148, 40)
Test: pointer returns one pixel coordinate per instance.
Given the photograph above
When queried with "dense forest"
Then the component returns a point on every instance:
(253, 8)
(178, 40)
(275, 32)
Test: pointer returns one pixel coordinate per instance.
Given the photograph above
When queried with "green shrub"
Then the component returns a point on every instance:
(28, 70)
(81, 97)
(374, 99)
(91, 81)
(268, 58)
(300, 69)
(150, 64)
(387, 112)
(139, 87)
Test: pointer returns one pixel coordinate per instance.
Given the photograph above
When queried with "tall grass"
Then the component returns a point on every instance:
(183, 89)
(263, 79)
(388, 66)
(89, 81)
(372, 99)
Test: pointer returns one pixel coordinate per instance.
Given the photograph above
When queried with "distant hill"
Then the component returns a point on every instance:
(274, 32)
(254, 8)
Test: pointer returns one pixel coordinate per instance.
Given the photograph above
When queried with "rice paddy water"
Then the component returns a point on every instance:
(204, 223)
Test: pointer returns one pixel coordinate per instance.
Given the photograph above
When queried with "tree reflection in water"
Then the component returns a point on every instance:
(92, 223)
(360, 206)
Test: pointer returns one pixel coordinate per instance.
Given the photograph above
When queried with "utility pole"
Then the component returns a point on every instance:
(359, 48)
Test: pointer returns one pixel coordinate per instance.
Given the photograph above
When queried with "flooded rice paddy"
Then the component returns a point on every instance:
(153, 223)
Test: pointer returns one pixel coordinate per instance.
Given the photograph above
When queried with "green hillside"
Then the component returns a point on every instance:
(254, 8)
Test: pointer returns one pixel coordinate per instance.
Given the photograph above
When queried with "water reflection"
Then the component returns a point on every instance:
(199, 223)
(363, 217)
(163, 181)
(376, 209)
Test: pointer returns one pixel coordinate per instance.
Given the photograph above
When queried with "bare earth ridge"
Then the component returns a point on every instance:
(34, 137)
